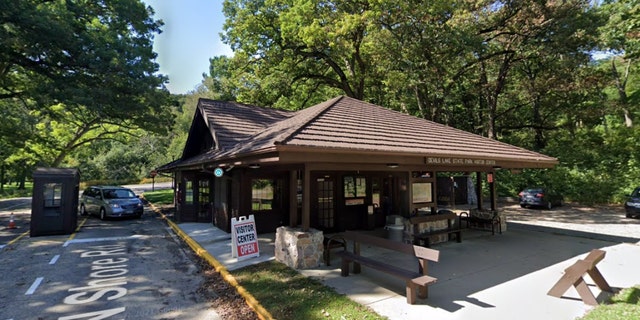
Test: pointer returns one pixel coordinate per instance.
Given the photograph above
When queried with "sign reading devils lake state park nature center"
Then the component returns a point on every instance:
(244, 238)
(458, 161)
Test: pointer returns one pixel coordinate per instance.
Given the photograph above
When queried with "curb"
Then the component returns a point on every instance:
(251, 301)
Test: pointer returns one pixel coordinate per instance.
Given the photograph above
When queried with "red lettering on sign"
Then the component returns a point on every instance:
(247, 249)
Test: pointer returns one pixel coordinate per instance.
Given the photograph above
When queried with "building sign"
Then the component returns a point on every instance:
(459, 161)
(244, 238)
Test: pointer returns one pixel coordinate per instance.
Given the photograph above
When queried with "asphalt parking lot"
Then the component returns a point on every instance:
(605, 222)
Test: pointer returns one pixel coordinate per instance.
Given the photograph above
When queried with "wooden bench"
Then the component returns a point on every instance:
(421, 236)
(482, 218)
(416, 281)
(332, 242)
(574, 276)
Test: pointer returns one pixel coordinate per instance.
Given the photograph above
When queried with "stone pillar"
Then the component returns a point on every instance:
(503, 220)
(299, 249)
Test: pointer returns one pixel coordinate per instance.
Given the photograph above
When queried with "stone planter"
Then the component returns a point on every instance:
(299, 249)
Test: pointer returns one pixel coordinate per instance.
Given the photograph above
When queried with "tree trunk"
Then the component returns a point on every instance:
(22, 178)
(621, 86)
(2, 172)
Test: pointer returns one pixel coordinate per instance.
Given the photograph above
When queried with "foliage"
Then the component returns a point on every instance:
(78, 72)
(13, 190)
(624, 305)
(130, 160)
(159, 197)
(95, 54)
(273, 282)
(520, 72)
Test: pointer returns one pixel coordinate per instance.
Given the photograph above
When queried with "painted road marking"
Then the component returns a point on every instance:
(15, 239)
(107, 281)
(54, 259)
(137, 236)
(2, 246)
(34, 286)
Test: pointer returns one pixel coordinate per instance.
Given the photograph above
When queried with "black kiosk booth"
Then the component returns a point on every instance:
(54, 206)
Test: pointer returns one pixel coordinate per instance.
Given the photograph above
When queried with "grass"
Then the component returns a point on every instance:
(623, 306)
(160, 196)
(11, 190)
(287, 294)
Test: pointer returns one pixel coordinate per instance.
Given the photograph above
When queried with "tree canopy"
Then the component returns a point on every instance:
(79, 82)
(519, 71)
(73, 72)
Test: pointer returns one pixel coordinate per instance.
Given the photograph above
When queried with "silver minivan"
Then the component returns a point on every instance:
(110, 202)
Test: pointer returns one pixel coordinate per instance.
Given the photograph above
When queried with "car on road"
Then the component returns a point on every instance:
(632, 205)
(540, 197)
(110, 202)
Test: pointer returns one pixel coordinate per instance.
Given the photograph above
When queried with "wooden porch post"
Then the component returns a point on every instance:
(293, 198)
(479, 189)
(306, 199)
(492, 191)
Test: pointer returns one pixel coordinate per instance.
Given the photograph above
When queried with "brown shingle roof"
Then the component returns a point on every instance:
(354, 124)
(234, 123)
(345, 124)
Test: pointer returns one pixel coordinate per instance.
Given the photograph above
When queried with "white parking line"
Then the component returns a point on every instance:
(137, 236)
(34, 286)
(54, 259)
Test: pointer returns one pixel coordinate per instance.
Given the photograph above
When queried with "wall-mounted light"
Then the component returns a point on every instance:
(497, 167)
(392, 165)
(254, 166)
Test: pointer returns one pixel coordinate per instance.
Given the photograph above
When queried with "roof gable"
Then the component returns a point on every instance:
(220, 125)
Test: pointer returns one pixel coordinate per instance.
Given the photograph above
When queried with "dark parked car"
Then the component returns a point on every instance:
(110, 201)
(632, 205)
(540, 197)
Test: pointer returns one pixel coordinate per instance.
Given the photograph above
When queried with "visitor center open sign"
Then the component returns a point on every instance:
(244, 238)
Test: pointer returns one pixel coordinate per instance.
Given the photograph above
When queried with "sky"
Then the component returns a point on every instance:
(190, 36)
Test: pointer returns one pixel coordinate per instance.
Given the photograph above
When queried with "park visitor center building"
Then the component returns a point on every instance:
(343, 164)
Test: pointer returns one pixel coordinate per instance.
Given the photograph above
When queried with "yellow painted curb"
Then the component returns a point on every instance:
(228, 277)
(73, 235)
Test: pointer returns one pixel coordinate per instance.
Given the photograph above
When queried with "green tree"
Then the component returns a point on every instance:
(86, 69)
(621, 37)
(16, 127)
(299, 48)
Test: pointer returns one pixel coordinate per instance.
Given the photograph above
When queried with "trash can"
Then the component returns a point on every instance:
(395, 228)
(54, 203)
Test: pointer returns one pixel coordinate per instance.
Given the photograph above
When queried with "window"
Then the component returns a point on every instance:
(203, 192)
(52, 195)
(375, 191)
(203, 199)
(188, 192)
(265, 194)
(355, 190)
(326, 216)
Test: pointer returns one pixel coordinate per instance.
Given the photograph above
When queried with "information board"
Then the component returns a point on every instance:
(244, 238)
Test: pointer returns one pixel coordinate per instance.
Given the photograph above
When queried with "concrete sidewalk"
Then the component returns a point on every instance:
(485, 277)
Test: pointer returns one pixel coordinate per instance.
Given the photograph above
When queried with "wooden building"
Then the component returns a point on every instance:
(342, 164)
